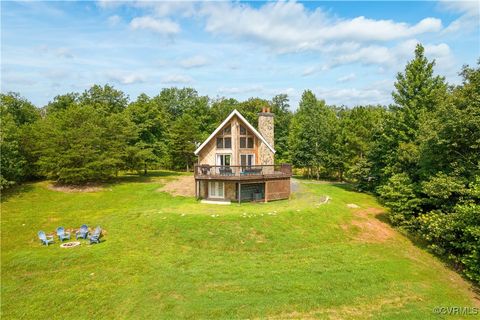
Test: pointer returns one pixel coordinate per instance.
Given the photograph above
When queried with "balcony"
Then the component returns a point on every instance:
(260, 172)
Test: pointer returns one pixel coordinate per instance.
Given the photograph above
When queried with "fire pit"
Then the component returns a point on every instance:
(70, 244)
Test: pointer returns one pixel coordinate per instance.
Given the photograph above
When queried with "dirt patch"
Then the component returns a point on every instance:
(73, 188)
(360, 309)
(181, 186)
(370, 228)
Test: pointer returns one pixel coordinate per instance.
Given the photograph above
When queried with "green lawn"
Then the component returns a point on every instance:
(166, 257)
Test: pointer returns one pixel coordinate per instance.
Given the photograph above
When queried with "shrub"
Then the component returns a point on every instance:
(400, 196)
(455, 236)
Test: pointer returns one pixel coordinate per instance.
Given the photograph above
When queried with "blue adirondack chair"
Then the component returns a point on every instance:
(95, 237)
(62, 234)
(82, 233)
(44, 239)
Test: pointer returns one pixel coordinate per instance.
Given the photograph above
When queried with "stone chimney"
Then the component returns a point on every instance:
(266, 129)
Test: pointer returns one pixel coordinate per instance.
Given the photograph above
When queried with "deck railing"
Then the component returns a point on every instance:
(247, 172)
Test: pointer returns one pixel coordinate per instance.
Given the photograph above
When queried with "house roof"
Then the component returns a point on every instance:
(230, 116)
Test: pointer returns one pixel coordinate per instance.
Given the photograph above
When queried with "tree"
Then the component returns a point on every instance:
(105, 99)
(220, 108)
(17, 114)
(359, 129)
(151, 120)
(312, 136)
(418, 94)
(451, 141)
(283, 116)
(62, 102)
(185, 136)
(82, 144)
(251, 108)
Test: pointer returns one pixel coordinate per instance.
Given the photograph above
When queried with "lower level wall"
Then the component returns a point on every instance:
(230, 190)
(277, 189)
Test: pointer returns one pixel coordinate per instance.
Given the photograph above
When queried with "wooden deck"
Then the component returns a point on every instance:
(243, 173)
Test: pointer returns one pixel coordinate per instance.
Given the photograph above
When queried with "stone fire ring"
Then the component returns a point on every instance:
(70, 244)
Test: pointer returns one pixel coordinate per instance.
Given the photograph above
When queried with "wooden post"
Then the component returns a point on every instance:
(239, 192)
(265, 191)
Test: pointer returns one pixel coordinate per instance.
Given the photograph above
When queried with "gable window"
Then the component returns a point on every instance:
(224, 141)
(246, 138)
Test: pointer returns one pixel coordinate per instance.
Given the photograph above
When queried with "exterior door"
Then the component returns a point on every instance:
(216, 189)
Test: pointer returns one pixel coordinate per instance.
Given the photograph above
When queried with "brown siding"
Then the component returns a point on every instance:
(277, 189)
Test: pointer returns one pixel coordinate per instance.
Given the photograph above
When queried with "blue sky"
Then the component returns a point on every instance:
(348, 53)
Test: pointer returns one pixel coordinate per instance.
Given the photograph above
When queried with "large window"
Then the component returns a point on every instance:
(224, 140)
(247, 160)
(216, 189)
(246, 138)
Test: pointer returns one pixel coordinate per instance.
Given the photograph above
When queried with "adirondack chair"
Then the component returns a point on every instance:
(44, 239)
(62, 234)
(82, 233)
(95, 237)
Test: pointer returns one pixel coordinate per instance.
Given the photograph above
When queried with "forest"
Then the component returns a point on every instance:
(420, 155)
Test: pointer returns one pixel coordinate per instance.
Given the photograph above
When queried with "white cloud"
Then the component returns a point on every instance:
(241, 90)
(309, 71)
(161, 26)
(354, 96)
(346, 78)
(395, 56)
(114, 20)
(166, 8)
(125, 77)
(177, 79)
(194, 62)
(470, 7)
(109, 3)
(64, 53)
(314, 69)
(468, 21)
(9, 78)
(289, 26)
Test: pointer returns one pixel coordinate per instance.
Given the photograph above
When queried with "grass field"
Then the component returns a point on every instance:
(166, 257)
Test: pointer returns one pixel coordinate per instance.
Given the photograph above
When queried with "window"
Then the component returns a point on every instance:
(243, 131)
(243, 142)
(227, 143)
(227, 130)
(223, 159)
(219, 143)
(247, 160)
(250, 142)
(224, 141)
(216, 189)
(246, 138)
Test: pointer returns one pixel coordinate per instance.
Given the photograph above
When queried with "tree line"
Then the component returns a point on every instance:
(420, 155)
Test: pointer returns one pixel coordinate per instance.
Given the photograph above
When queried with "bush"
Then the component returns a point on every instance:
(399, 195)
(443, 191)
(455, 236)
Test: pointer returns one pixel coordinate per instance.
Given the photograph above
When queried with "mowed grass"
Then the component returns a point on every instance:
(166, 257)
